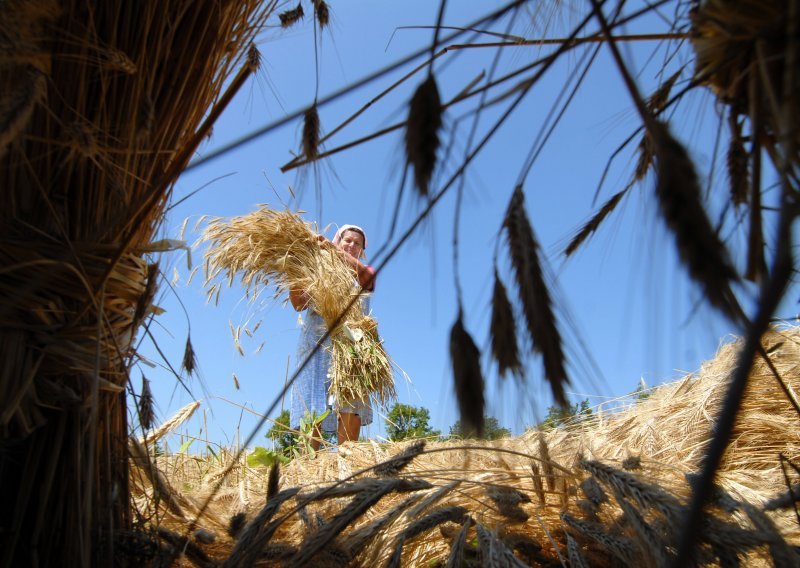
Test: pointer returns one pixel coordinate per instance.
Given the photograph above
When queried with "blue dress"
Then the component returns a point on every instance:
(310, 389)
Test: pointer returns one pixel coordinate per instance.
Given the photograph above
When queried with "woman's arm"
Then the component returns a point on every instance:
(364, 272)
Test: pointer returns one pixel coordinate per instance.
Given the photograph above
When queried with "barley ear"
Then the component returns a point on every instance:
(505, 349)
(395, 464)
(189, 357)
(311, 133)
(591, 226)
(467, 378)
(534, 295)
(736, 161)
(145, 405)
(699, 246)
(322, 12)
(458, 546)
(422, 132)
(289, 18)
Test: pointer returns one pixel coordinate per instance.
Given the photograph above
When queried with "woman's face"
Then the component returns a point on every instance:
(352, 242)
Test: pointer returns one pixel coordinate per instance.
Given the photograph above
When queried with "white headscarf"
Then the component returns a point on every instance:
(338, 236)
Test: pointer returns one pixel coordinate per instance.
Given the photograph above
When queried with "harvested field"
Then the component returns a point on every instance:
(609, 490)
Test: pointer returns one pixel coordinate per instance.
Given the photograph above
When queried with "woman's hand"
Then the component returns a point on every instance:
(300, 299)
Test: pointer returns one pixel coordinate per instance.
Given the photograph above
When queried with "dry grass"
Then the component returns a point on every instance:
(473, 501)
(279, 248)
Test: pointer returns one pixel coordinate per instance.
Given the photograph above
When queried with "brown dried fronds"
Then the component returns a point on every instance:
(289, 18)
(311, 133)
(467, 378)
(394, 465)
(534, 295)
(145, 406)
(737, 163)
(422, 132)
(591, 226)
(502, 329)
(699, 246)
(322, 12)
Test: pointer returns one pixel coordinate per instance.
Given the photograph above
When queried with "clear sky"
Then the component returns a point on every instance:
(625, 308)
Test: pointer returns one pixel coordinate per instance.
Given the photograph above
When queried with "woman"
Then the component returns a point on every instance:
(310, 390)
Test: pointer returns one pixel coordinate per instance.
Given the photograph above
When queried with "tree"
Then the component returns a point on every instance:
(281, 435)
(405, 421)
(569, 416)
(491, 430)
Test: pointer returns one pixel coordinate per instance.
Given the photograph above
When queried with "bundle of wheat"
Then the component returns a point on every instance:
(747, 52)
(278, 247)
(604, 489)
(101, 106)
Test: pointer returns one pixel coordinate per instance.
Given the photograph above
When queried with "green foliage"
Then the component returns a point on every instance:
(558, 417)
(405, 421)
(642, 392)
(286, 444)
(492, 430)
(281, 436)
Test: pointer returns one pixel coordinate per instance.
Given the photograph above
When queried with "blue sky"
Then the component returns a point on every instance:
(625, 308)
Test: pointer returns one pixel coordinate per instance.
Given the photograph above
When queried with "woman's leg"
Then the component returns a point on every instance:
(348, 427)
(316, 439)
